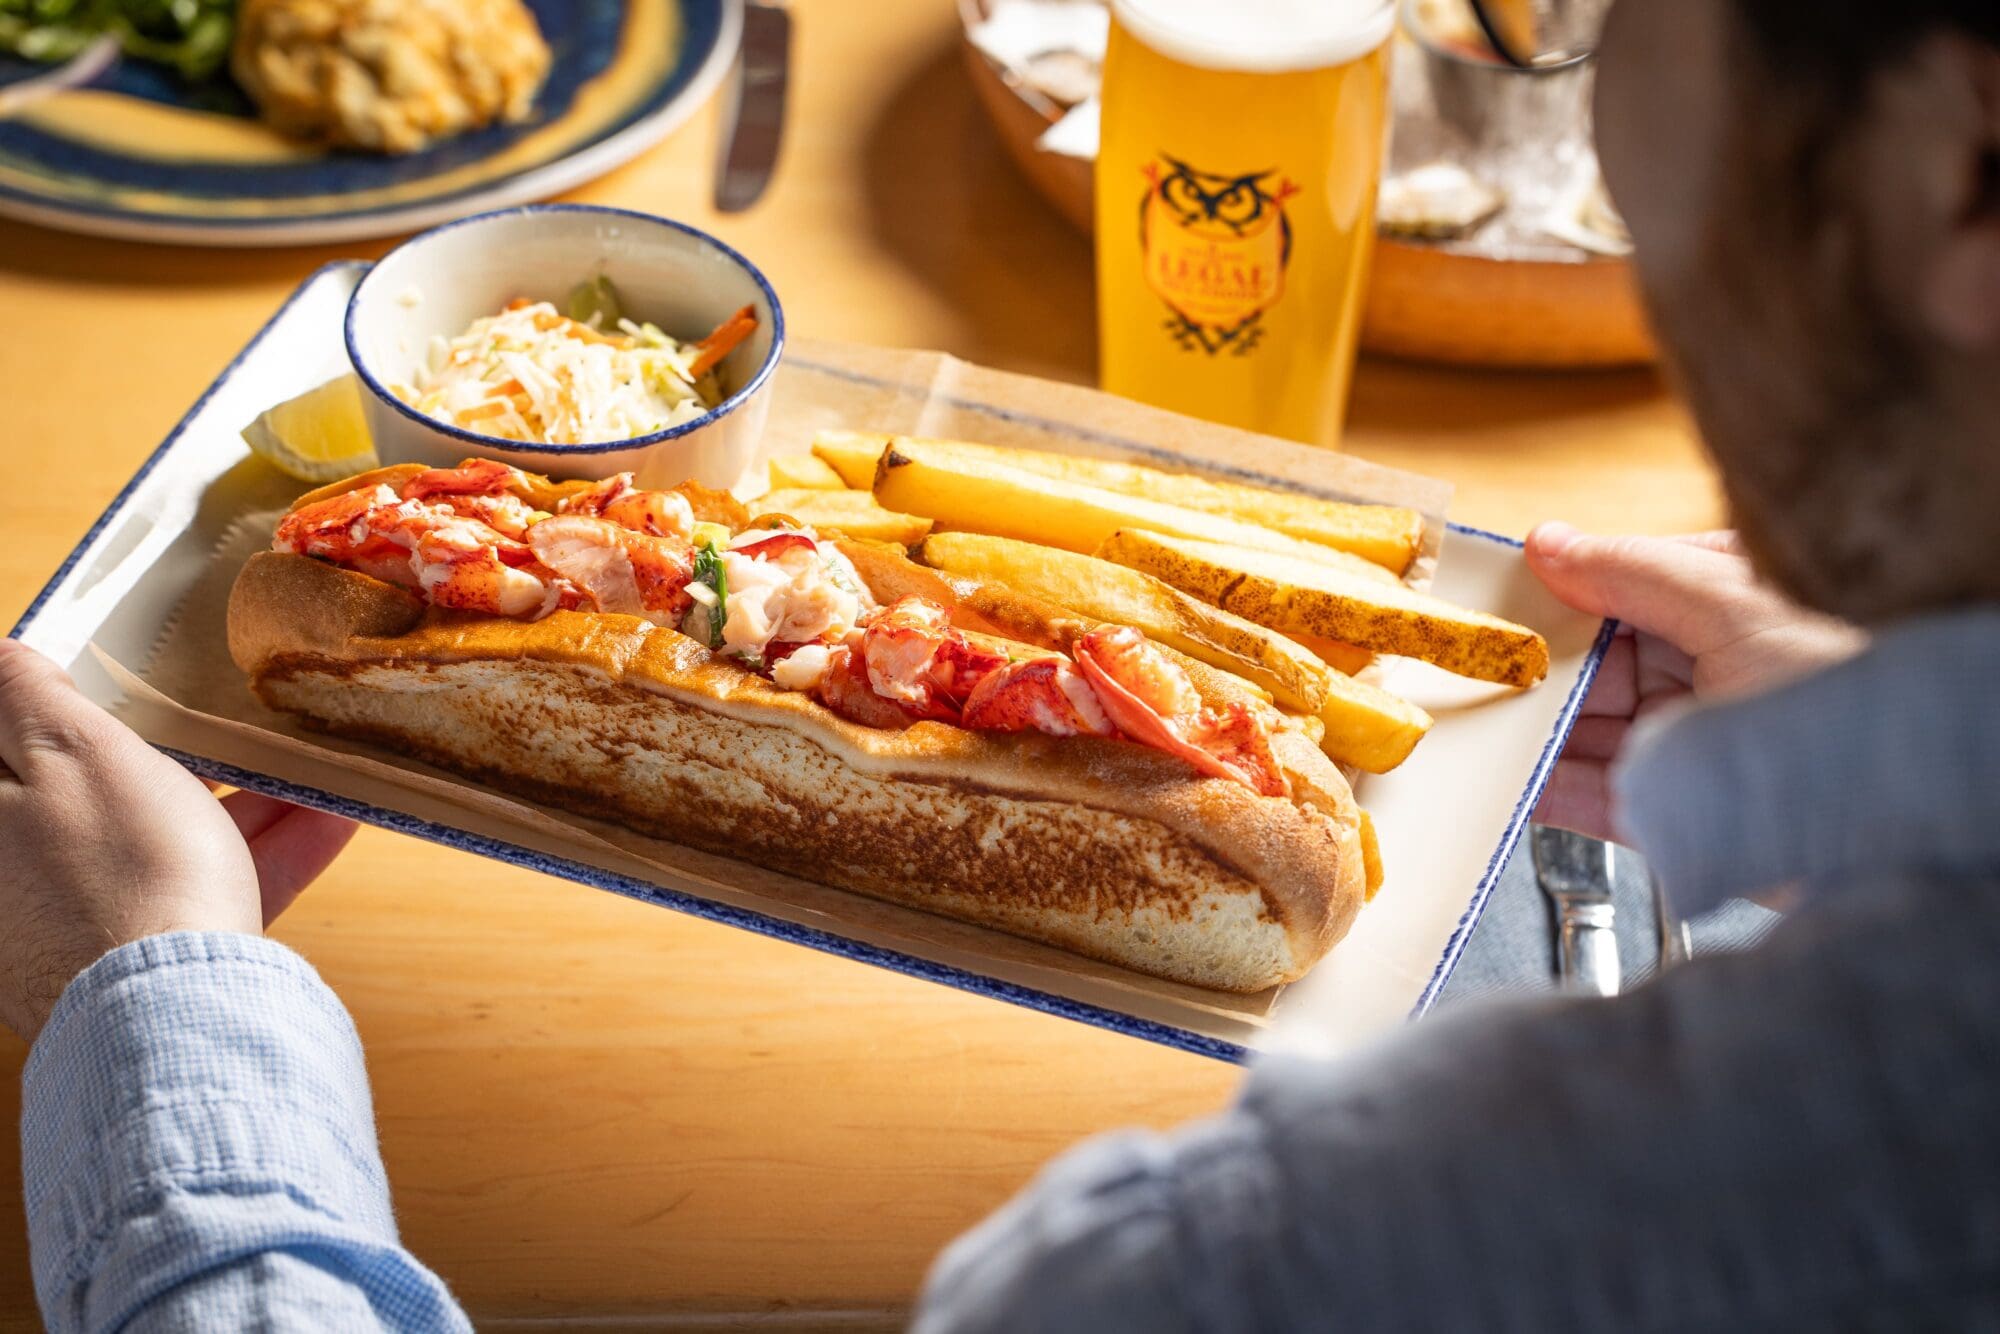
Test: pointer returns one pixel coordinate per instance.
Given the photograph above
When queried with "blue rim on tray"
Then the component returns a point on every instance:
(141, 156)
(913, 965)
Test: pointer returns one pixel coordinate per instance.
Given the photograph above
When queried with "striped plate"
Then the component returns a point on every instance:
(140, 156)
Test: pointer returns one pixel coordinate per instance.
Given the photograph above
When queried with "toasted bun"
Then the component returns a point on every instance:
(1103, 847)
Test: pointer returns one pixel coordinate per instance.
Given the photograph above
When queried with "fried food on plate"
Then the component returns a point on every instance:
(800, 472)
(963, 490)
(388, 75)
(1092, 587)
(1350, 659)
(1386, 535)
(1368, 727)
(852, 454)
(853, 513)
(1357, 723)
(1306, 597)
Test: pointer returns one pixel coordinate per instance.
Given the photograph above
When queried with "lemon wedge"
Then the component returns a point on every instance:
(320, 436)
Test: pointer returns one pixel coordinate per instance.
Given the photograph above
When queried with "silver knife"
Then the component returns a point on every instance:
(754, 125)
(1576, 873)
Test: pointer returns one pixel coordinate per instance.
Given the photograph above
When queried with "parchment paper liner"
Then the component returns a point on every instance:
(187, 685)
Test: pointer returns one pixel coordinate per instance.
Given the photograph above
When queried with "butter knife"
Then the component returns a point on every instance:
(754, 124)
(1576, 873)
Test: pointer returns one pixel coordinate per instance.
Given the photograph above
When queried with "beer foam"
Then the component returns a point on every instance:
(1258, 36)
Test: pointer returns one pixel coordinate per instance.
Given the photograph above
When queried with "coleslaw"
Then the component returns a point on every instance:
(534, 374)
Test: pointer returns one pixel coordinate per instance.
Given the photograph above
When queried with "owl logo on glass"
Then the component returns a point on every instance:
(1215, 248)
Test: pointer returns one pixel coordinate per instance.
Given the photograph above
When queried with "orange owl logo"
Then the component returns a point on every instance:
(1215, 248)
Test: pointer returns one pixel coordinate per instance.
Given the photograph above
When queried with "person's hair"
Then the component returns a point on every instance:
(1839, 43)
(1861, 478)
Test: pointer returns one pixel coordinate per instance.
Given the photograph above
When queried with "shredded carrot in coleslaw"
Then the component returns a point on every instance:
(531, 373)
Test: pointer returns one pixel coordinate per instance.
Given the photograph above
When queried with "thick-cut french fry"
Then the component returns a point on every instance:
(794, 472)
(1349, 659)
(1367, 726)
(1091, 587)
(959, 490)
(1305, 597)
(854, 513)
(852, 454)
(1214, 685)
(1387, 535)
(1371, 855)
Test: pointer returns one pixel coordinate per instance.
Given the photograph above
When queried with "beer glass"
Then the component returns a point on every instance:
(1236, 174)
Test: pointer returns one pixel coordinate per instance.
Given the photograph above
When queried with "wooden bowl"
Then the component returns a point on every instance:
(1428, 303)
(1425, 301)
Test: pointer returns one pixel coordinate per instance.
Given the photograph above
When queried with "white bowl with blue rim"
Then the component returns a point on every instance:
(681, 279)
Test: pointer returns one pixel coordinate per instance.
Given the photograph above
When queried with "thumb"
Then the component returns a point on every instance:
(1686, 593)
(43, 714)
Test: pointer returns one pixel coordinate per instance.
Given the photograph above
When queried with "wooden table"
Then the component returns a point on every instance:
(591, 1106)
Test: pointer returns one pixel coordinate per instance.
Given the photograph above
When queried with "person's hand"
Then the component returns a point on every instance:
(108, 841)
(1694, 621)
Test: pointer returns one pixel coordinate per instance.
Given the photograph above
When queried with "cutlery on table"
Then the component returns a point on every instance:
(1576, 873)
(754, 124)
(1676, 938)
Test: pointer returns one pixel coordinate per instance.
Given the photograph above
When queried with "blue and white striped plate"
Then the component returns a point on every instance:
(141, 156)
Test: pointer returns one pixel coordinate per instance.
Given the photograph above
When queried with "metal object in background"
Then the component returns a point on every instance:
(755, 123)
(1576, 873)
(1542, 32)
(1676, 937)
(1522, 123)
(75, 72)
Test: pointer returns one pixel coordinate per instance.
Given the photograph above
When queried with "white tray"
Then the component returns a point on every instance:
(1448, 818)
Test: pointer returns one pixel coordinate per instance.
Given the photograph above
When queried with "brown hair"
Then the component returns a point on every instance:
(1863, 482)
(1839, 43)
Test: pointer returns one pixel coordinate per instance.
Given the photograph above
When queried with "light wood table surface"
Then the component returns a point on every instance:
(589, 1106)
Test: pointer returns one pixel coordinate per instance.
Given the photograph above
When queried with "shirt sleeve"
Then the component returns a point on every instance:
(1766, 1140)
(198, 1152)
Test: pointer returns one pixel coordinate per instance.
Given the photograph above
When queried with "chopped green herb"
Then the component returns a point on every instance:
(708, 570)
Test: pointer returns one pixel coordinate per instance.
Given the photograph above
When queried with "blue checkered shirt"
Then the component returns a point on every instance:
(198, 1152)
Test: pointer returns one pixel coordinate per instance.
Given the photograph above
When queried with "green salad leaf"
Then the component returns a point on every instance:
(191, 36)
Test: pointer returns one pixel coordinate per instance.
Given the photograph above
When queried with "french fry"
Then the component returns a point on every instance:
(794, 472)
(1091, 587)
(1371, 855)
(961, 491)
(1306, 597)
(852, 454)
(1386, 535)
(1367, 726)
(853, 513)
(1348, 659)
(1310, 724)
(1214, 685)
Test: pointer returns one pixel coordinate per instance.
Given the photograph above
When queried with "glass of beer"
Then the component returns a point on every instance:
(1241, 148)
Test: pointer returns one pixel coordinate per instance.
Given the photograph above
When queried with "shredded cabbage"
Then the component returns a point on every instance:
(532, 374)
